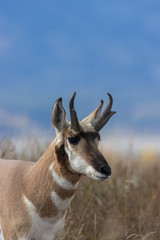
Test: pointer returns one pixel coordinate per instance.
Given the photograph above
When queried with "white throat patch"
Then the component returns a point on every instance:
(62, 182)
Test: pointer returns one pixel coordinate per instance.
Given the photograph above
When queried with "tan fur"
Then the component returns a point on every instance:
(34, 181)
(34, 196)
(19, 179)
(14, 218)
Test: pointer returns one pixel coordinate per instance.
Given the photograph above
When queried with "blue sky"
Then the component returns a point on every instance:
(50, 49)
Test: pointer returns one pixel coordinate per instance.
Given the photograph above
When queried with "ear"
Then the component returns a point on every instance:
(59, 116)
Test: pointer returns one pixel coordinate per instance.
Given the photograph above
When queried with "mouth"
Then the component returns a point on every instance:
(92, 173)
(102, 177)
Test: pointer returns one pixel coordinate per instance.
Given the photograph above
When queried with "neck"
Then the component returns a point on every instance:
(49, 185)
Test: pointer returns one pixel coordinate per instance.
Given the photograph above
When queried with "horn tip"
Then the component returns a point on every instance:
(73, 96)
(110, 97)
(59, 100)
(109, 94)
(114, 112)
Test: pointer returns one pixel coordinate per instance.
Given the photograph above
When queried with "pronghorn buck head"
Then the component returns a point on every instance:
(80, 139)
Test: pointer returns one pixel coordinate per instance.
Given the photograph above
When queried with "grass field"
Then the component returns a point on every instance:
(124, 207)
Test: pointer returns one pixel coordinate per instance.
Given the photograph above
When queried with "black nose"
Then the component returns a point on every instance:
(105, 170)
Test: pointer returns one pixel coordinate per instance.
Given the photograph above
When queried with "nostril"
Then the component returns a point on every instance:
(105, 170)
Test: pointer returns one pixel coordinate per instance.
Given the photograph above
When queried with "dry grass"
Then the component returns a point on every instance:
(125, 207)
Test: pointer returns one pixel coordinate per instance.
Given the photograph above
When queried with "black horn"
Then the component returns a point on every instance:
(105, 116)
(74, 119)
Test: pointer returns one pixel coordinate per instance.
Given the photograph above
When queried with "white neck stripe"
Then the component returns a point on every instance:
(59, 202)
(64, 183)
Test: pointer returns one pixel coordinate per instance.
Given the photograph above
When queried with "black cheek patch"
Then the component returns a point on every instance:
(60, 152)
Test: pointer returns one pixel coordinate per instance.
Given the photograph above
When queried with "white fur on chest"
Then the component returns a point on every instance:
(43, 228)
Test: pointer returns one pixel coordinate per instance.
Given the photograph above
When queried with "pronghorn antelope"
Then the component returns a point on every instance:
(34, 196)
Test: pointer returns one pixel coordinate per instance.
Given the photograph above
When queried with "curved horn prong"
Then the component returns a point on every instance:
(73, 114)
(94, 115)
(105, 116)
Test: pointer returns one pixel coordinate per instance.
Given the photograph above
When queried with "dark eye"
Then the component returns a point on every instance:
(74, 140)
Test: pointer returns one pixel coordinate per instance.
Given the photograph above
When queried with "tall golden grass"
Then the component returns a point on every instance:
(124, 207)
